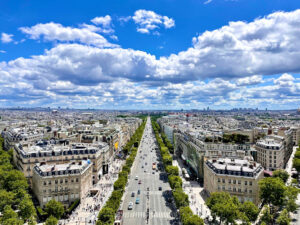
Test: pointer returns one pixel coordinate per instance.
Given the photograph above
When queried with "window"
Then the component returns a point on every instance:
(234, 189)
(223, 180)
(219, 180)
(234, 181)
(246, 183)
(239, 182)
(49, 182)
(219, 188)
(77, 179)
(72, 181)
(56, 181)
(223, 188)
(229, 181)
(245, 190)
(45, 183)
(250, 183)
(239, 190)
(66, 181)
(61, 181)
(250, 191)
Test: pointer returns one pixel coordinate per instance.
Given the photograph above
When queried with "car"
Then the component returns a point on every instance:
(137, 201)
(130, 206)
(153, 172)
(142, 166)
(140, 181)
(136, 177)
(159, 188)
(132, 194)
(139, 192)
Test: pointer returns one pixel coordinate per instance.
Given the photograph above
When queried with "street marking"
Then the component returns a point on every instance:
(134, 214)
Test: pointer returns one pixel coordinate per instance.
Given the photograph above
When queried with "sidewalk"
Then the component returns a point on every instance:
(91, 205)
(289, 165)
(194, 190)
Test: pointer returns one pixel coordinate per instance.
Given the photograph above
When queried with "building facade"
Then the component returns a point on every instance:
(25, 157)
(64, 182)
(235, 176)
(271, 153)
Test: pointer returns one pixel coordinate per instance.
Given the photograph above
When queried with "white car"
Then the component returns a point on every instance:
(130, 205)
(136, 178)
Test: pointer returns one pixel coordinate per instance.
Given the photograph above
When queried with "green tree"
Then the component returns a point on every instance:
(6, 198)
(51, 221)
(283, 218)
(54, 208)
(167, 159)
(266, 215)
(10, 217)
(172, 170)
(27, 209)
(291, 196)
(175, 181)
(194, 220)
(296, 164)
(224, 206)
(106, 216)
(181, 199)
(282, 174)
(250, 210)
(272, 191)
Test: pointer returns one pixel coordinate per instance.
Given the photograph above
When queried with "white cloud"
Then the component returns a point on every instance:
(148, 21)
(105, 23)
(2, 51)
(89, 74)
(256, 79)
(56, 32)
(6, 38)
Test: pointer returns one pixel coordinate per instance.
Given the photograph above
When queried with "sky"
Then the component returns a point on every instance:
(142, 54)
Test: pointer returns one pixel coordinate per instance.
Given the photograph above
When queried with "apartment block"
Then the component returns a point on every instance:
(63, 182)
(238, 177)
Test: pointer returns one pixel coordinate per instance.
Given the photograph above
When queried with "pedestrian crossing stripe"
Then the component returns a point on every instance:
(163, 215)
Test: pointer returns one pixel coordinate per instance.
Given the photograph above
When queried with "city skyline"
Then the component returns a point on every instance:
(139, 55)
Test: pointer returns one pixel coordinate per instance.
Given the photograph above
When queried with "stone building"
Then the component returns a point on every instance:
(64, 182)
(238, 177)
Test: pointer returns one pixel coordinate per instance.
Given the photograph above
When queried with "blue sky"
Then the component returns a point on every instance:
(163, 54)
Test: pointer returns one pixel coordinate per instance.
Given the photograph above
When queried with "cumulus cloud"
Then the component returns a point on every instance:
(6, 38)
(105, 23)
(256, 79)
(57, 32)
(218, 69)
(148, 21)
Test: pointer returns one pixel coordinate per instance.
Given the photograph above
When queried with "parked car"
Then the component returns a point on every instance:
(139, 192)
(132, 194)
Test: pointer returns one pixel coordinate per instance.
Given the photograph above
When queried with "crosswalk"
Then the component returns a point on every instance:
(162, 215)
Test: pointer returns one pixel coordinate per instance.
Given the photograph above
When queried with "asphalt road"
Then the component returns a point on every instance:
(160, 211)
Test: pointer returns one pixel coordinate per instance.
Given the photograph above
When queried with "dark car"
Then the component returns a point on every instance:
(132, 194)
(159, 188)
